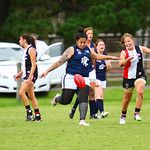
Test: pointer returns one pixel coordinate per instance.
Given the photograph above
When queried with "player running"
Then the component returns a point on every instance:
(134, 76)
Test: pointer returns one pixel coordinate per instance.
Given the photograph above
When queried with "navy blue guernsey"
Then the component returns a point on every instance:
(100, 69)
(79, 63)
(91, 62)
(28, 64)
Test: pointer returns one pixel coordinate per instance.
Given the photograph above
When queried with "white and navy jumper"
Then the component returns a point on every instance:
(27, 65)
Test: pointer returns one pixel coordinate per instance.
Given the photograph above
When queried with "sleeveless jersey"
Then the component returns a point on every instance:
(28, 65)
(79, 63)
(100, 69)
(91, 62)
(134, 67)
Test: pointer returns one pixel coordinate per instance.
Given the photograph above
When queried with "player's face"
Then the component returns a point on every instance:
(21, 42)
(89, 35)
(81, 43)
(129, 43)
(100, 46)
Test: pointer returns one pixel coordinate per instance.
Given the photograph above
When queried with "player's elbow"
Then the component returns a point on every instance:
(121, 65)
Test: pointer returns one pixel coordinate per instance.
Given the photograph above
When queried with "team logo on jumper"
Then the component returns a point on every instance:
(87, 51)
(25, 56)
(79, 51)
(102, 66)
(84, 61)
(139, 55)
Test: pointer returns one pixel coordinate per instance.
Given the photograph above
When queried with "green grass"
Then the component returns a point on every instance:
(58, 132)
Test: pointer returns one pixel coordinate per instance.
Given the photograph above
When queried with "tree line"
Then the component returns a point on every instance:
(43, 17)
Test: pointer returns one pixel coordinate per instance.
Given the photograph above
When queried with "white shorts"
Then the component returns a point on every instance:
(68, 82)
(102, 83)
(92, 76)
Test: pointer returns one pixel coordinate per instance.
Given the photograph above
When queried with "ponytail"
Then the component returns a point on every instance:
(29, 39)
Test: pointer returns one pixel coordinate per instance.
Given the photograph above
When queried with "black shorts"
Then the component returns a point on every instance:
(129, 83)
(34, 78)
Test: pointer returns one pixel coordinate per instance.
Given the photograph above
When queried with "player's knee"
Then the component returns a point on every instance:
(126, 100)
(64, 102)
(21, 93)
(140, 92)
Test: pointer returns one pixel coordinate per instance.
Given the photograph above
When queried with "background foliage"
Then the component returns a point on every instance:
(43, 17)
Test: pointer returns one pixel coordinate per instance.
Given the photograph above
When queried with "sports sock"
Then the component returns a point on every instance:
(28, 109)
(96, 108)
(37, 113)
(137, 111)
(124, 113)
(83, 110)
(76, 103)
(92, 107)
(100, 105)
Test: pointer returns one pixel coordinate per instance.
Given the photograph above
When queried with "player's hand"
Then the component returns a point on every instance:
(130, 57)
(43, 75)
(115, 58)
(17, 77)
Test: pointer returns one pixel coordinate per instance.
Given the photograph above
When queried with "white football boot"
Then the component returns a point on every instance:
(122, 120)
(83, 123)
(54, 103)
(137, 117)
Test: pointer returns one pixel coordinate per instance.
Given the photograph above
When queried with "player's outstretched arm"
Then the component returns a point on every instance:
(65, 57)
(102, 57)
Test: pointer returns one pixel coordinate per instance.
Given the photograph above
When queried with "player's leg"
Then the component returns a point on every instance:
(22, 93)
(73, 108)
(125, 102)
(68, 90)
(83, 104)
(92, 103)
(139, 85)
(99, 92)
(128, 86)
(34, 102)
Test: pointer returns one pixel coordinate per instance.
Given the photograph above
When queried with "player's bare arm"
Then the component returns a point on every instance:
(102, 57)
(18, 75)
(65, 57)
(123, 61)
(145, 49)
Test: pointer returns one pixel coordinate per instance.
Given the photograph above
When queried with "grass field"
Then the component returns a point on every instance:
(58, 132)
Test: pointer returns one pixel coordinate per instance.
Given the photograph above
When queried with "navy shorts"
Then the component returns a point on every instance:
(34, 78)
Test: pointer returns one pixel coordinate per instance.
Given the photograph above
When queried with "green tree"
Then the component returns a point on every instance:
(104, 16)
(28, 17)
